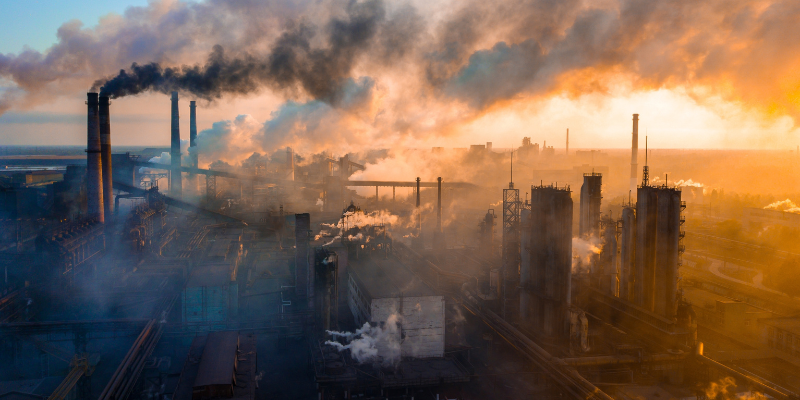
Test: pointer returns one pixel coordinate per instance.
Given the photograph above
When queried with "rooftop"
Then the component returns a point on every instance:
(219, 359)
(388, 278)
(791, 324)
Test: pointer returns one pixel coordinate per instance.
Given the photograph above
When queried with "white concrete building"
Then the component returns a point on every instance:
(381, 289)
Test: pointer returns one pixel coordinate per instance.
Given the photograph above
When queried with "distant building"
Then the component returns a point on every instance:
(781, 334)
(760, 216)
(732, 318)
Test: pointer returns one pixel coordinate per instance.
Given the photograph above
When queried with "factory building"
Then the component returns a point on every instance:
(385, 291)
(781, 334)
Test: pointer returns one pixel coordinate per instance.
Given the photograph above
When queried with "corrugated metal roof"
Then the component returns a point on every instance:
(219, 359)
(388, 278)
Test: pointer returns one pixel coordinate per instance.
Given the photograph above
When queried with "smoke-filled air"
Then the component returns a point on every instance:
(400, 199)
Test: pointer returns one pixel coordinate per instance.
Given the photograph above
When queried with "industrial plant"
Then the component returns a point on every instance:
(129, 275)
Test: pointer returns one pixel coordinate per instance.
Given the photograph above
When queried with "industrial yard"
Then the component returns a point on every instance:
(234, 283)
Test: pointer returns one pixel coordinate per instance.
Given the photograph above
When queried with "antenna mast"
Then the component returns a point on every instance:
(511, 184)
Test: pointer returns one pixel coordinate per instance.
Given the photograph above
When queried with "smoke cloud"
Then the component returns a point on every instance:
(292, 65)
(389, 71)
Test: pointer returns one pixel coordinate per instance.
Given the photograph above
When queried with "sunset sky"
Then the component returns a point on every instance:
(723, 74)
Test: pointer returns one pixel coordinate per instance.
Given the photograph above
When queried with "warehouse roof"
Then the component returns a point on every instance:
(791, 324)
(388, 278)
(217, 366)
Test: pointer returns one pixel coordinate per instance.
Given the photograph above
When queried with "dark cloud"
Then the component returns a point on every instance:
(292, 65)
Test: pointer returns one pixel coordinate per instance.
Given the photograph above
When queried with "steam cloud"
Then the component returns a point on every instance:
(372, 343)
(784, 205)
(582, 252)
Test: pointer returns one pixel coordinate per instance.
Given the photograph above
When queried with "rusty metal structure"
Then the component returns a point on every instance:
(69, 246)
(146, 221)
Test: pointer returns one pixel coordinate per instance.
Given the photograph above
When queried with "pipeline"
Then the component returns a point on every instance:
(566, 376)
(622, 359)
(120, 385)
(766, 387)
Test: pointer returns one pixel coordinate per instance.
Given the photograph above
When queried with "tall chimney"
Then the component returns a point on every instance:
(175, 187)
(634, 151)
(567, 141)
(439, 208)
(193, 132)
(105, 156)
(290, 162)
(419, 214)
(94, 173)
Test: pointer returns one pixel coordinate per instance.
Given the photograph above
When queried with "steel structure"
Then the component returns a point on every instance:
(511, 256)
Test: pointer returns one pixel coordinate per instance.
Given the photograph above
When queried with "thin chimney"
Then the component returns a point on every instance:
(105, 155)
(94, 173)
(439, 208)
(193, 132)
(175, 186)
(634, 151)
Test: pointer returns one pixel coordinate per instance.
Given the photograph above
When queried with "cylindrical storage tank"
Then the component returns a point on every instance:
(667, 251)
(524, 265)
(646, 233)
(94, 173)
(105, 155)
(589, 223)
(550, 248)
(627, 274)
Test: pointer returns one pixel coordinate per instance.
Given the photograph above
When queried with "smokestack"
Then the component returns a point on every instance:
(439, 208)
(567, 141)
(193, 132)
(105, 156)
(94, 173)
(175, 187)
(417, 241)
(634, 151)
(290, 162)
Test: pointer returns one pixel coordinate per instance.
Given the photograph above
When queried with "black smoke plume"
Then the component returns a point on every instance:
(292, 65)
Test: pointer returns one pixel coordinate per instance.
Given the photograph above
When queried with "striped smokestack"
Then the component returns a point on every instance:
(193, 132)
(94, 173)
(175, 187)
(105, 156)
(634, 151)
